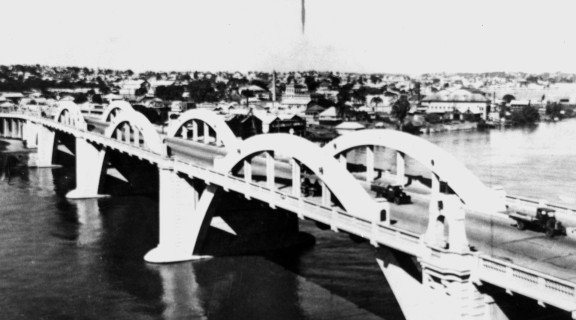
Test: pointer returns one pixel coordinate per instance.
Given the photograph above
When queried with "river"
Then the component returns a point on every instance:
(62, 259)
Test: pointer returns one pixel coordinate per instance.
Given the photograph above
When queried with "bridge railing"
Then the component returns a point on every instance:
(530, 283)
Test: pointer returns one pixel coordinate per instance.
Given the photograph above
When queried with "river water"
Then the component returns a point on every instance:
(62, 259)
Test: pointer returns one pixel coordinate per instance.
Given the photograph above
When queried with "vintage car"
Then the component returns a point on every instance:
(392, 193)
(543, 220)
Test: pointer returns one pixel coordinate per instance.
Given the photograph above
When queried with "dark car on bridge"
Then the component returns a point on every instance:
(544, 220)
(392, 193)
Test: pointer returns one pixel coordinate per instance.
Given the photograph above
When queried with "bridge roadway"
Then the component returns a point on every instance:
(505, 253)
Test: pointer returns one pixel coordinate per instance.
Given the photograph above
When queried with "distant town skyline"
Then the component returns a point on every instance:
(370, 36)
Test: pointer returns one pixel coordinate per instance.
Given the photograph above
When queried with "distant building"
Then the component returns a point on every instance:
(452, 103)
(295, 96)
(346, 127)
(129, 88)
(14, 97)
(329, 117)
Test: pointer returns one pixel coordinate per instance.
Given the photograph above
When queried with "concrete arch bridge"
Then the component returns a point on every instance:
(435, 252)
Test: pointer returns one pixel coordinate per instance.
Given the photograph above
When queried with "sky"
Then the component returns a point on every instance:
(371, 36)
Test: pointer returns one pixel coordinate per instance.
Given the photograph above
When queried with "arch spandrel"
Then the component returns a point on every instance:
(138, 122)
(464, 183)
(216, 122)
(116, 105)
(355, 200)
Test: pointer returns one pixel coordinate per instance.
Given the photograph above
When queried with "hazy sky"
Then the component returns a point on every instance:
(341, 35)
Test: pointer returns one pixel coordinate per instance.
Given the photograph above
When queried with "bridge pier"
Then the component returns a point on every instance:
(89, 166)
(184, 217)
(30, 134)
(46, 146)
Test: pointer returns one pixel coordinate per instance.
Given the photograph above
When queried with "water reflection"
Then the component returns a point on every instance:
(90, 223)
(181, 293)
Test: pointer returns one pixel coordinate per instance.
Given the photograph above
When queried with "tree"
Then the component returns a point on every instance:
(526, 115)
(508, 98)
(141, 91)
(221, 89)
(400, 109)
(97, 99)
(343, 97)
(202, 91)
(81, 98)
(311, 83)
(260, 84)
(335, 81)
(554, 109)
(247, 94)
(376, 100)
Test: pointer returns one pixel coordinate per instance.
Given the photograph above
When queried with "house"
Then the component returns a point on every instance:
(257, 92)
(329, 117)
(346, 127)
(244, 125)
(14, 97)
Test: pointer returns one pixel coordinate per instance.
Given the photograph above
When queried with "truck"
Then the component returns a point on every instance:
(392, 193)
(543, 220)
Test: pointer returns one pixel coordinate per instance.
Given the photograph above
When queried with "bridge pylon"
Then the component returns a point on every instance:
(185, 216)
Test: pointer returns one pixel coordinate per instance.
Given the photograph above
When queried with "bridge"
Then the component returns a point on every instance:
(450, 254)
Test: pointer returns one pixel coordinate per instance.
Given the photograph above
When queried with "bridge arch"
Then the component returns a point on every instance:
(351, 195)
(223, 133)
(69, 113)
(114, 108)
(134, 128)
(447, 168)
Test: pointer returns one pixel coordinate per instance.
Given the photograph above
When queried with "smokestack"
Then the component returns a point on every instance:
(303, 16)
(273, 86)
